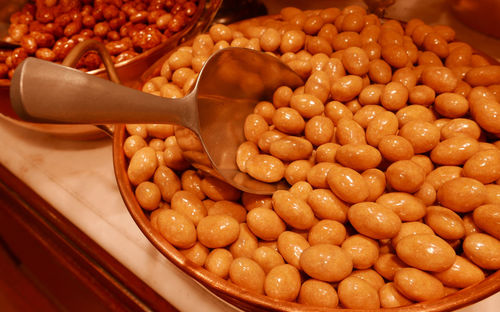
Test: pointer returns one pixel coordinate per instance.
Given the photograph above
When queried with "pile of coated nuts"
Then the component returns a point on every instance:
(49, 29)
(390, 147)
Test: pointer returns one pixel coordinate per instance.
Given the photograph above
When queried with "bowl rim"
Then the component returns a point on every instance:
(248, 300)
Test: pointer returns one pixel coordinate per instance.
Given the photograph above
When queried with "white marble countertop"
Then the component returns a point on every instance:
(77, 178)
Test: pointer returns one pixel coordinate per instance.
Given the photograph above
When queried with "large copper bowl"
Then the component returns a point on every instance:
(236, 295)
(250, 301)
(128, 71)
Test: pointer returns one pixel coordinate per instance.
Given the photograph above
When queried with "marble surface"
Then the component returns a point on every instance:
(76, 177)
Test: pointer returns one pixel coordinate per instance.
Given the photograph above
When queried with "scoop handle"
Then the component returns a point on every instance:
(46, 92)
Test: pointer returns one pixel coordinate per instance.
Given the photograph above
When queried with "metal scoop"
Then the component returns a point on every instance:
(232, 81)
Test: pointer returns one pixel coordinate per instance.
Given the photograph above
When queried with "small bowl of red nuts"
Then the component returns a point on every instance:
(135, 33)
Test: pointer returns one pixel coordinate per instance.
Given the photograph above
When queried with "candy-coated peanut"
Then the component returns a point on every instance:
(359, 157)
(251, 201)
(349, 132)
(443, 174)
(189, 205)
(423, 135)
(318, 293)
(426, 193)
(462, 194)
(301, 190)
(168, 182)
(326, 205)
(316, 92)
(297, 171)
(368, 112)
(346, 88)
(374, 220)
(370, 276)
(288, 120)
(254, 126)
(245, 151)
(245, 244)
(454, 151)
(394, 147)
(364, 251)
(291, 245)
(355, 293)
(483, 250)
(418, 285)
(317, 175)
(460, 126)
(132, 144)
(406, 206)
(375, 180)
(347, 184)
(327, 232)
(415, 112)
(148, 195)
(486, 113)
(142, 165)
(483, 76)
(383, 124)
(197, 254)
(265, 168)
(388, 264)
(461, 274)
(265, 223)
(319, 130)
(483, 166)
(487, 218)
(291, 148)
(267, 258)
(217, 231)
(283, 282)
(176, 228)
(390, 297)
(355, 61)
(394, 96)
(445, 223)
(451, 105)
(440, 79)
(218, 262)
(307, 105)
(405, 176)
(247, 274)
(326, 262)
(294, 211)
(411, 228)
(426, 252)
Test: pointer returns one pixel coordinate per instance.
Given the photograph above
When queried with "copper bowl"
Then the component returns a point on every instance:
(128, 71)
(236, 295)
